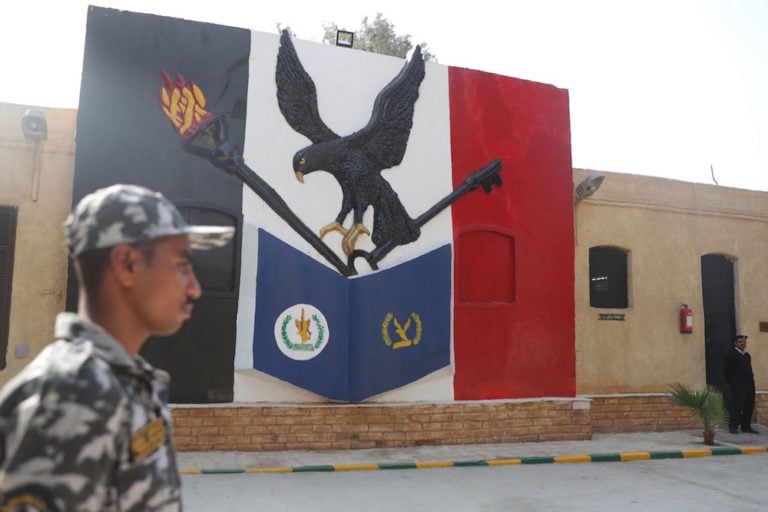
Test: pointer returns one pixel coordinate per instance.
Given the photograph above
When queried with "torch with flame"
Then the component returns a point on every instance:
(184, 104)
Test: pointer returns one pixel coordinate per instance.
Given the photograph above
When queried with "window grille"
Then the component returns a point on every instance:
(608, 278)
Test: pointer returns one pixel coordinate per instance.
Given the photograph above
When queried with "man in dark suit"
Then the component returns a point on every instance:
(739, 376)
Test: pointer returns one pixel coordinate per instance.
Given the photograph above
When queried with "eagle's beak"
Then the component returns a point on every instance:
(299, 176)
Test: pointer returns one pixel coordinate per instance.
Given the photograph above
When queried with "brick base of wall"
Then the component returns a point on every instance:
(251, 427)
(638, 413)
(338, 427)
(761, 407)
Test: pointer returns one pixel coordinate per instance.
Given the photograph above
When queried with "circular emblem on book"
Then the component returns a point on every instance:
(301, 332)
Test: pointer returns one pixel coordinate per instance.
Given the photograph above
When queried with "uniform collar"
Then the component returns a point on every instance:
(71, 327)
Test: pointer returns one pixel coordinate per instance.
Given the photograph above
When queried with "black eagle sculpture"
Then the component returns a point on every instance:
(356, 160)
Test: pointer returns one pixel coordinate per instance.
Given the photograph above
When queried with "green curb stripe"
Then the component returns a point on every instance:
(725, 450)
(398, 465)
(309, 469)
(671, 454)
(465, 463)
(606, 457)
(599, 457)
(537, 460)
(222, 471)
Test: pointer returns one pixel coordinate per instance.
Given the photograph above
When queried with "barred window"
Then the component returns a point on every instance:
(608, 277)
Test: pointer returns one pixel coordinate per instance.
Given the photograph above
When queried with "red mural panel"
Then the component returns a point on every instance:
(513, 270)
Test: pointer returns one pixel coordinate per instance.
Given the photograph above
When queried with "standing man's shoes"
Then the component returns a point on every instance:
(733, 430)
(750, 430)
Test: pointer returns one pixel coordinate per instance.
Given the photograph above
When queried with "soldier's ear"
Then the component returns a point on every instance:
(123, 260)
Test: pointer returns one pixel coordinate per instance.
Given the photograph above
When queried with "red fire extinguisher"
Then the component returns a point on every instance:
(686, 319)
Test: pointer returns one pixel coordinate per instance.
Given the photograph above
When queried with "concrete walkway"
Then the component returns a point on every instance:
(601, 448)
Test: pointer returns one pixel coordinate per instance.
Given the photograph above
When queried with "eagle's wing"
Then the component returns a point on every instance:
(297, 95)
(385, 137)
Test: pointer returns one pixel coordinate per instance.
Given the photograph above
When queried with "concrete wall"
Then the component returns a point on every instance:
(666, 226)
(42, 202)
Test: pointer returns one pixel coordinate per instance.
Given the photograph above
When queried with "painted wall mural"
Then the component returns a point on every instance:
(356, 160)
(406, 270)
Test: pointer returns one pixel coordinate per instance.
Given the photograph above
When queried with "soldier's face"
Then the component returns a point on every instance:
(741, 343)
(166, 286)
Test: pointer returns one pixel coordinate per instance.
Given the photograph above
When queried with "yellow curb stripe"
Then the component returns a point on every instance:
(688, 454)
(269, 470)
(630, 456)
(573, 458)
(624, 457)
(434, 464)
(504, 462)
(355, 467)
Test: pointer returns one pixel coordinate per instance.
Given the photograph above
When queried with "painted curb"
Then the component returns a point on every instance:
(560, 459)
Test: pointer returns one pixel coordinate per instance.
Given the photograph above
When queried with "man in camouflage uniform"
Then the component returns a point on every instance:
(86, 425)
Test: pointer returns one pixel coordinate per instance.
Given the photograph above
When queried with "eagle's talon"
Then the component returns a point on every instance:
(333, 226)
(348, 243)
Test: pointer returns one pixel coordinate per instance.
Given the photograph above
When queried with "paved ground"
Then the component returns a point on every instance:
(634, 446)
(673, 485)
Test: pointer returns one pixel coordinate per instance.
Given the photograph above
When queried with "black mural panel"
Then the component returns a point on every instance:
(124, 137)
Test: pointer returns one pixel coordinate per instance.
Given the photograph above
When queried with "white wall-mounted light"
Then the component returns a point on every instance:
(35, 128)
(34, 125)
(588, 186)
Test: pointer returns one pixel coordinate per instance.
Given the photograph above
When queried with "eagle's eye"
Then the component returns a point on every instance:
(302, 161)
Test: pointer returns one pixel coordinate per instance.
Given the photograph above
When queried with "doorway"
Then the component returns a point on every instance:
(7, 245)
(200, 356)
(717, 283)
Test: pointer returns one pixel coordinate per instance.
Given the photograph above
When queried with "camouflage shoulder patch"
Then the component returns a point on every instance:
(59, 360)
(67, 357)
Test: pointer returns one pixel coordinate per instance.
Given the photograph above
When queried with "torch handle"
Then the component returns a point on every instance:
(487, 177)
(274, 201)
(212, 143)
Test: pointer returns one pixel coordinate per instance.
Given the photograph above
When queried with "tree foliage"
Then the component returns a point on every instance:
(279, 26)
(379, 36)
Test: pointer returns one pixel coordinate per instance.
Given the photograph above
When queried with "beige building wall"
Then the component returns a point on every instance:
(36, 178)
(666, 226)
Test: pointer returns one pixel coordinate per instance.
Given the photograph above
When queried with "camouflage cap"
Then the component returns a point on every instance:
(125, 214)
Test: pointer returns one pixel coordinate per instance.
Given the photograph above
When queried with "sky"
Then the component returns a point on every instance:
(670, 88)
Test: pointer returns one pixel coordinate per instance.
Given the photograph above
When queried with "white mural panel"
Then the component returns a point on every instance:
(347, 83)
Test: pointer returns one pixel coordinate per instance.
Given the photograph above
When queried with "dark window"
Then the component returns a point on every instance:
(215, 268)
(7, 236)
(607, 277)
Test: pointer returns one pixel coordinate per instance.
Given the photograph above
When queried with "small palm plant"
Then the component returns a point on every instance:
(706, 404)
